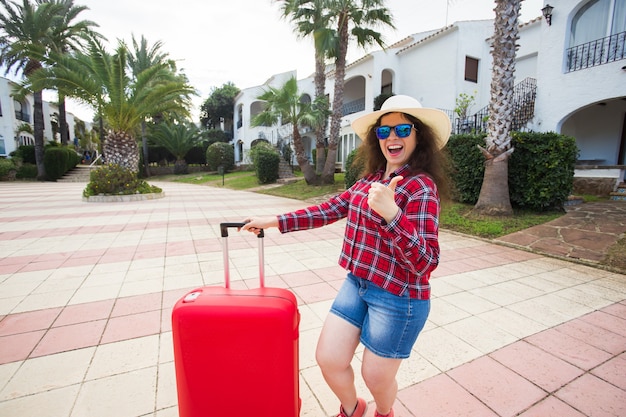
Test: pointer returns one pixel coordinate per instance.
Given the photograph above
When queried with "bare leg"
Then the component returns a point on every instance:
(335, 350)
(379, 375)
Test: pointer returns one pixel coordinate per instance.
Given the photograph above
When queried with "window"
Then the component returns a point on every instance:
(598, 19)
(3, 149)
(471, 69)
(21, 111)
(598, 34)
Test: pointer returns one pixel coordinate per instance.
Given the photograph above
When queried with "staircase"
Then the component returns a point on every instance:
(524, 96)
(620, 193)
(79, 174)
(285, 173)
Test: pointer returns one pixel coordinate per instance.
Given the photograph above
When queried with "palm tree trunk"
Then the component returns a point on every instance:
(303, 162)
(494, 199)
(120, 148)
(494, 196)
(328, 176)
(320, 143)
(144, 146)
(38, 133)
(63, 127)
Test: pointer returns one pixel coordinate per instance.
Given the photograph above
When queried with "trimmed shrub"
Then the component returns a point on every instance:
(220, 154)
(468, 166)
(541, 169)
(354, 168)
(55, 161)
(27, 153)
(58, 160)
(6, 167)
(266, 162)
(27, 171)
(116, 180)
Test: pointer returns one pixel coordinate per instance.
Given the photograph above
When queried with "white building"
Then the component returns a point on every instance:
(15, 113)
(570, 77)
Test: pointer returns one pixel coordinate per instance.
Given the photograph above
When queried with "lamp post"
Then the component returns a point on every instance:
(547, 13)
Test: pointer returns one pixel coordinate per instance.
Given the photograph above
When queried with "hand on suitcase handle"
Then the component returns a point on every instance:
(224, 228)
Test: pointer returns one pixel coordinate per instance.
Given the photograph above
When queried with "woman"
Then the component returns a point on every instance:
(390, 249)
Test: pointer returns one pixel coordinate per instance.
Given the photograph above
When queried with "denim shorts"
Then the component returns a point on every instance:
(389, 323)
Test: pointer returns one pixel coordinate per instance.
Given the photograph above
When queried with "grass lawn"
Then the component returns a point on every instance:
(454, 216)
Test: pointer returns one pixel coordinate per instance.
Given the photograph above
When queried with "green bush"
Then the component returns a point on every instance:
(55, 160)
(354, 168)
(27, 153)
(27, 171)
(541, 169)
(58, 160)
(116, 180)
(220, 154)
(266, 162)
(6, 166)
(468, 166)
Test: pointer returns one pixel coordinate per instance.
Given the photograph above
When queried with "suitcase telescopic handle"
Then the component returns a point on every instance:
(224, 232)
(224, 228)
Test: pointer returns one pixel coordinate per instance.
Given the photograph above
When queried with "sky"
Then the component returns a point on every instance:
(246, 41)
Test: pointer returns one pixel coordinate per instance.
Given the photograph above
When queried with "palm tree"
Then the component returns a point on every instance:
(141, 58)
(311, 19)
(287, 105)
(494, 196)
(355, 19)
(26, 35)
(68, 36)
(178, 139)
(100, 80)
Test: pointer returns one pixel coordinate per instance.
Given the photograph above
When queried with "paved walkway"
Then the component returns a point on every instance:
(86, 291)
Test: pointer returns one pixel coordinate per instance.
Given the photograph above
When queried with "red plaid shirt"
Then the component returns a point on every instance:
(398, 256)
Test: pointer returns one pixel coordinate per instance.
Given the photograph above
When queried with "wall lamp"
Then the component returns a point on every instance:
(547, 13)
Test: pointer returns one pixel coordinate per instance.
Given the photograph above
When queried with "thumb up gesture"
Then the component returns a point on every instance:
(381, 198)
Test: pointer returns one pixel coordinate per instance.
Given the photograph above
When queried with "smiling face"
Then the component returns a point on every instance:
(397, 150)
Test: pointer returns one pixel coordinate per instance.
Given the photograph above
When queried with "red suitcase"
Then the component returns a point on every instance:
(236, 351)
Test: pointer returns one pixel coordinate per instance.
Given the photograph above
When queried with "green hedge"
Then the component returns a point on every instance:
(27, 153)
(266, 162)
(6, 166)
(27, 171)
(468, 166)
(541, 169)
(58, 160)
(353, 169)
(220, 154)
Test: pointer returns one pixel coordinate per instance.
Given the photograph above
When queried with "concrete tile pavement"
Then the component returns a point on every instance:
(86, 291)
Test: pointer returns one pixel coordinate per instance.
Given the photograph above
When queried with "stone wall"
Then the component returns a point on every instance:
(601, 187)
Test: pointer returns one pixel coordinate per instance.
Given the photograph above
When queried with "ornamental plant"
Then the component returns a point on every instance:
(114, 179)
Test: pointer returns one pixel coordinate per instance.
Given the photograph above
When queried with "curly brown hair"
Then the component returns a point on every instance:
(427, 158)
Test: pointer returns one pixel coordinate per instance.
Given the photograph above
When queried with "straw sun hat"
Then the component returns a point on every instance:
(437, 120)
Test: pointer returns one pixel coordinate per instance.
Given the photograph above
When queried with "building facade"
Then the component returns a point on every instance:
(570, 79)
(16, 120)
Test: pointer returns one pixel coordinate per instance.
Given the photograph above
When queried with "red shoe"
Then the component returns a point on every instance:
(377, 414)
(359, 411)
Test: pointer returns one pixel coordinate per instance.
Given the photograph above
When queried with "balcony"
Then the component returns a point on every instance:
(598, 52)
(353, 107)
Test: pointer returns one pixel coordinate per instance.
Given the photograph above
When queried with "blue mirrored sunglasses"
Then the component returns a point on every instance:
(402, 131)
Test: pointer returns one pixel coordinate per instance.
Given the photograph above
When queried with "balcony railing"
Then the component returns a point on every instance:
(597, 52)
(353, 106)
